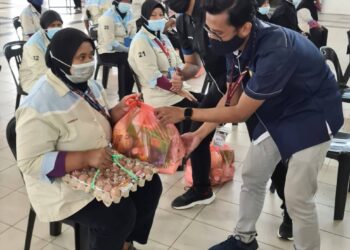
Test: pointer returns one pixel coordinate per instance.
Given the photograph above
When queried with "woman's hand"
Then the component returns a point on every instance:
(99, 158)
(187, 95)
(122, 108)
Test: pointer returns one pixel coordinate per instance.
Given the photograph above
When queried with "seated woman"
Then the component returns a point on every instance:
(115, 30)
(33, 64)
(153, 59)
(263, 10)
(30, 18)
(93, 10)
(65, 124)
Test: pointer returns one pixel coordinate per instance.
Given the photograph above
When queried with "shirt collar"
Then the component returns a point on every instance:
(59, 86)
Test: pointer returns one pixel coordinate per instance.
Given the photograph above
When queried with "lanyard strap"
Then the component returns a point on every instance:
(233, 86)
(91, 99)
(163, 47)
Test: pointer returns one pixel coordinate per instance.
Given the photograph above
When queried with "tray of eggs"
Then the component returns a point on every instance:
(111, 184)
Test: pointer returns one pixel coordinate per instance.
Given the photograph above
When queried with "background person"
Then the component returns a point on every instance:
(115, 32)
(30, 18)
(33, 64)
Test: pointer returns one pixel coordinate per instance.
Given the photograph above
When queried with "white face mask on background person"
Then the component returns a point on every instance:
(124, 7)
(79, 72)
(50, 32)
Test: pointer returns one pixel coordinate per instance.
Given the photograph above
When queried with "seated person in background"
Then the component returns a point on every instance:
(93, 10)
(307, 15)
(70, 113)
(154, 60)
(263, 10)
(33, 61)
(30, 18)
(115, 31)
(285, 15)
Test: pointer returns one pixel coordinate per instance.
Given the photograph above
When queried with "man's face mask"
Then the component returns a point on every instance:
(220, 47)
(124, 7)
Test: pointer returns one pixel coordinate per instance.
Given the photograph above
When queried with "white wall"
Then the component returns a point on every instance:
(336, 7)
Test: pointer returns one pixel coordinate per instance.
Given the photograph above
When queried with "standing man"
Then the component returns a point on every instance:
(292, 107)
(195, 44)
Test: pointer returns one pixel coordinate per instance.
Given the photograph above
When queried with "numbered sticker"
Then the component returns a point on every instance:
(142, 54)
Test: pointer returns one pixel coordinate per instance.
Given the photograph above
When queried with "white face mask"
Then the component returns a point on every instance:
(79, 72)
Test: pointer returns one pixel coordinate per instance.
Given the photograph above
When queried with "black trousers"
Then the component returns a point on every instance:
(200, 157)
(129, 220)
(77, 3)
(125, 78)
(185, 125)
(279, 180)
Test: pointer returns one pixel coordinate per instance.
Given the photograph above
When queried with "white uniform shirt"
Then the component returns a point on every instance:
(33, 64)
(96, 9)
(52, 119)
(149, 62)
(30, 20)
(304, 17)
(112, 30)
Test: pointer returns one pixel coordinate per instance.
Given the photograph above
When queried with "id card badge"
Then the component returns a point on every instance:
(127, 41)
(220, 135)
(171, 72)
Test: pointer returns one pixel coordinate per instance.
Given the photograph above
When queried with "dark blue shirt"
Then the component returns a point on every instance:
(300, 92)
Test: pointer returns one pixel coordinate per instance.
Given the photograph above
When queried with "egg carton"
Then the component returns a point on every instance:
(110, 185)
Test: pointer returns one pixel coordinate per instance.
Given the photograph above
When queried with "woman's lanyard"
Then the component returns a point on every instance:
(163, 47)
(91, 99)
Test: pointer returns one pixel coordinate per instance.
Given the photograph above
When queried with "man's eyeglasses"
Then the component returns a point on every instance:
(212, 33)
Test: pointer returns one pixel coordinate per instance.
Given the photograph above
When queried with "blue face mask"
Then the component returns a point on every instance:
(296, 3)
(156, 25)
(264, 10)
(50, 32)
(124, 7)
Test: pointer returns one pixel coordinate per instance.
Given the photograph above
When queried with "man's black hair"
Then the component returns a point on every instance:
(239, 11)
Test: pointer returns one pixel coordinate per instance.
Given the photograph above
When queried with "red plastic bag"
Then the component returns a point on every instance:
(139, 134)
(222, 166)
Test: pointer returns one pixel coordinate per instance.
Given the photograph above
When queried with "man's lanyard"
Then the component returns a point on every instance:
(91, 99)
(233, 86)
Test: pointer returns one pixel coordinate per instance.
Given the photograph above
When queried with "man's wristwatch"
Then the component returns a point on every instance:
(188, 113)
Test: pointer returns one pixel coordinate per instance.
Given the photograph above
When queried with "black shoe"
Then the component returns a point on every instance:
(286, 228)
(235, 243)
(193, 197)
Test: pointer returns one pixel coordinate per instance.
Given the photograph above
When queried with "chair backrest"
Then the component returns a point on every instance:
(11, 136)
(137, 81)
(348, 50)
(17, 24)
(329, 54)
(14, 51)
(93, 32)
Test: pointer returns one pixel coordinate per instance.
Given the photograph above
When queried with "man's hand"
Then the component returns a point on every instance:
(168, 115)
(191, 142)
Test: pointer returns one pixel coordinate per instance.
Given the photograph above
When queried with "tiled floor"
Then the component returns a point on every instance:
(194, 229)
